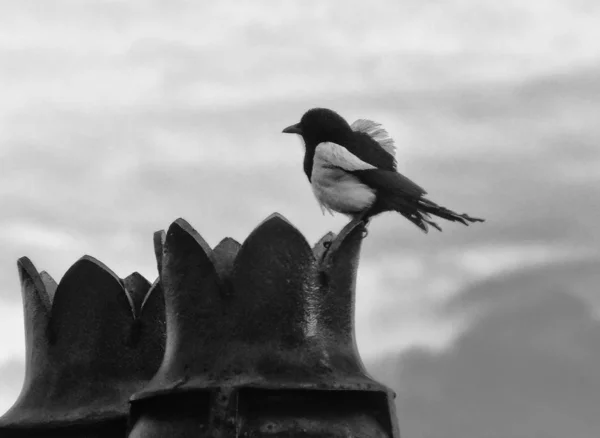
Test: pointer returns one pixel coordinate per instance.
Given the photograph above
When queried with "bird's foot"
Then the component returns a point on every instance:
(364, 222)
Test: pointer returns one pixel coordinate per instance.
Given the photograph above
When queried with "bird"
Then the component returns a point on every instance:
(352, 169)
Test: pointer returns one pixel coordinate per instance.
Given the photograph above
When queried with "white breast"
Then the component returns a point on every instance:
(334, 187)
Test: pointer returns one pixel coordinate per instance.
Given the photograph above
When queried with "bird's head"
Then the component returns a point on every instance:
(321, 125)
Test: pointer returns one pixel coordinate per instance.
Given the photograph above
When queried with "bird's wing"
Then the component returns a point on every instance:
(332, 155)
(372, 145)
(389, 181)
(377, 133)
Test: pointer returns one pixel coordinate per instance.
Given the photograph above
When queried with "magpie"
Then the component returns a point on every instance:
(352, 170)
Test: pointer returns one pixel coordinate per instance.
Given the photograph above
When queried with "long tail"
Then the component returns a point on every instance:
(396, 192)
(419, 212)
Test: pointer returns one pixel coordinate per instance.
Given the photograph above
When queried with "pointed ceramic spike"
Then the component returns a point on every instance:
(228, 244)
(276, 221)
(159, 242)
(224, 256)
(90, 313)
(274, 216)
(29, 274)
(36, 306)
(153, 286)
(340, 267)
(322, 246)
(49, 284)
(273, 279)
(154, 298)
(352, 229)
(192, 292)
(186, 227)
(136, 287)
(94, 261)
(99, 264)
(151, 330)
(182, 234)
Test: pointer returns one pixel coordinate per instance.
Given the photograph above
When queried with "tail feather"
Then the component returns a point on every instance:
(395, 192)
(431, 207)
(419, 212)
(421, 220)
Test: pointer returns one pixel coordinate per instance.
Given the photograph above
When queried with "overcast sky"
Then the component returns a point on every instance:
(117, 117)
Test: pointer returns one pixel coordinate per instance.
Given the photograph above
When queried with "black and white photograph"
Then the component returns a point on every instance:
(300, 218)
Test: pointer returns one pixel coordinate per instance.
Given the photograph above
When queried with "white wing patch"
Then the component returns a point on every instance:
(334, 187)
(377, 133)
(329, 154)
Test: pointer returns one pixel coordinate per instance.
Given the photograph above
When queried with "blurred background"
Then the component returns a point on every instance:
(117, 117)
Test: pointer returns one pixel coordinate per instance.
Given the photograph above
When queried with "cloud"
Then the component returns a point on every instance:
(121, 53)
(526, 367)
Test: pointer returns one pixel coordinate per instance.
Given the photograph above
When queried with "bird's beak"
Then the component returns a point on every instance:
(294, 129)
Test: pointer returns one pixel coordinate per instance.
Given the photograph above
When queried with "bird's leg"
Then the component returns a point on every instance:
(362, 217)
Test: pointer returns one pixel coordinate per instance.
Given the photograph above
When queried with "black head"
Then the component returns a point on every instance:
(319, 125)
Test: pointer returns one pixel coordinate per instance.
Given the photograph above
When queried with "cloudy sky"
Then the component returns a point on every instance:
(117, 117)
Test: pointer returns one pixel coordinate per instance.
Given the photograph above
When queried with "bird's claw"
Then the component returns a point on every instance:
(363, 223)
(365, 230)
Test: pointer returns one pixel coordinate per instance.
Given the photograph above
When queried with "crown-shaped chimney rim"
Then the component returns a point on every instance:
(53, 343)
(322, 257)
(322, 250)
